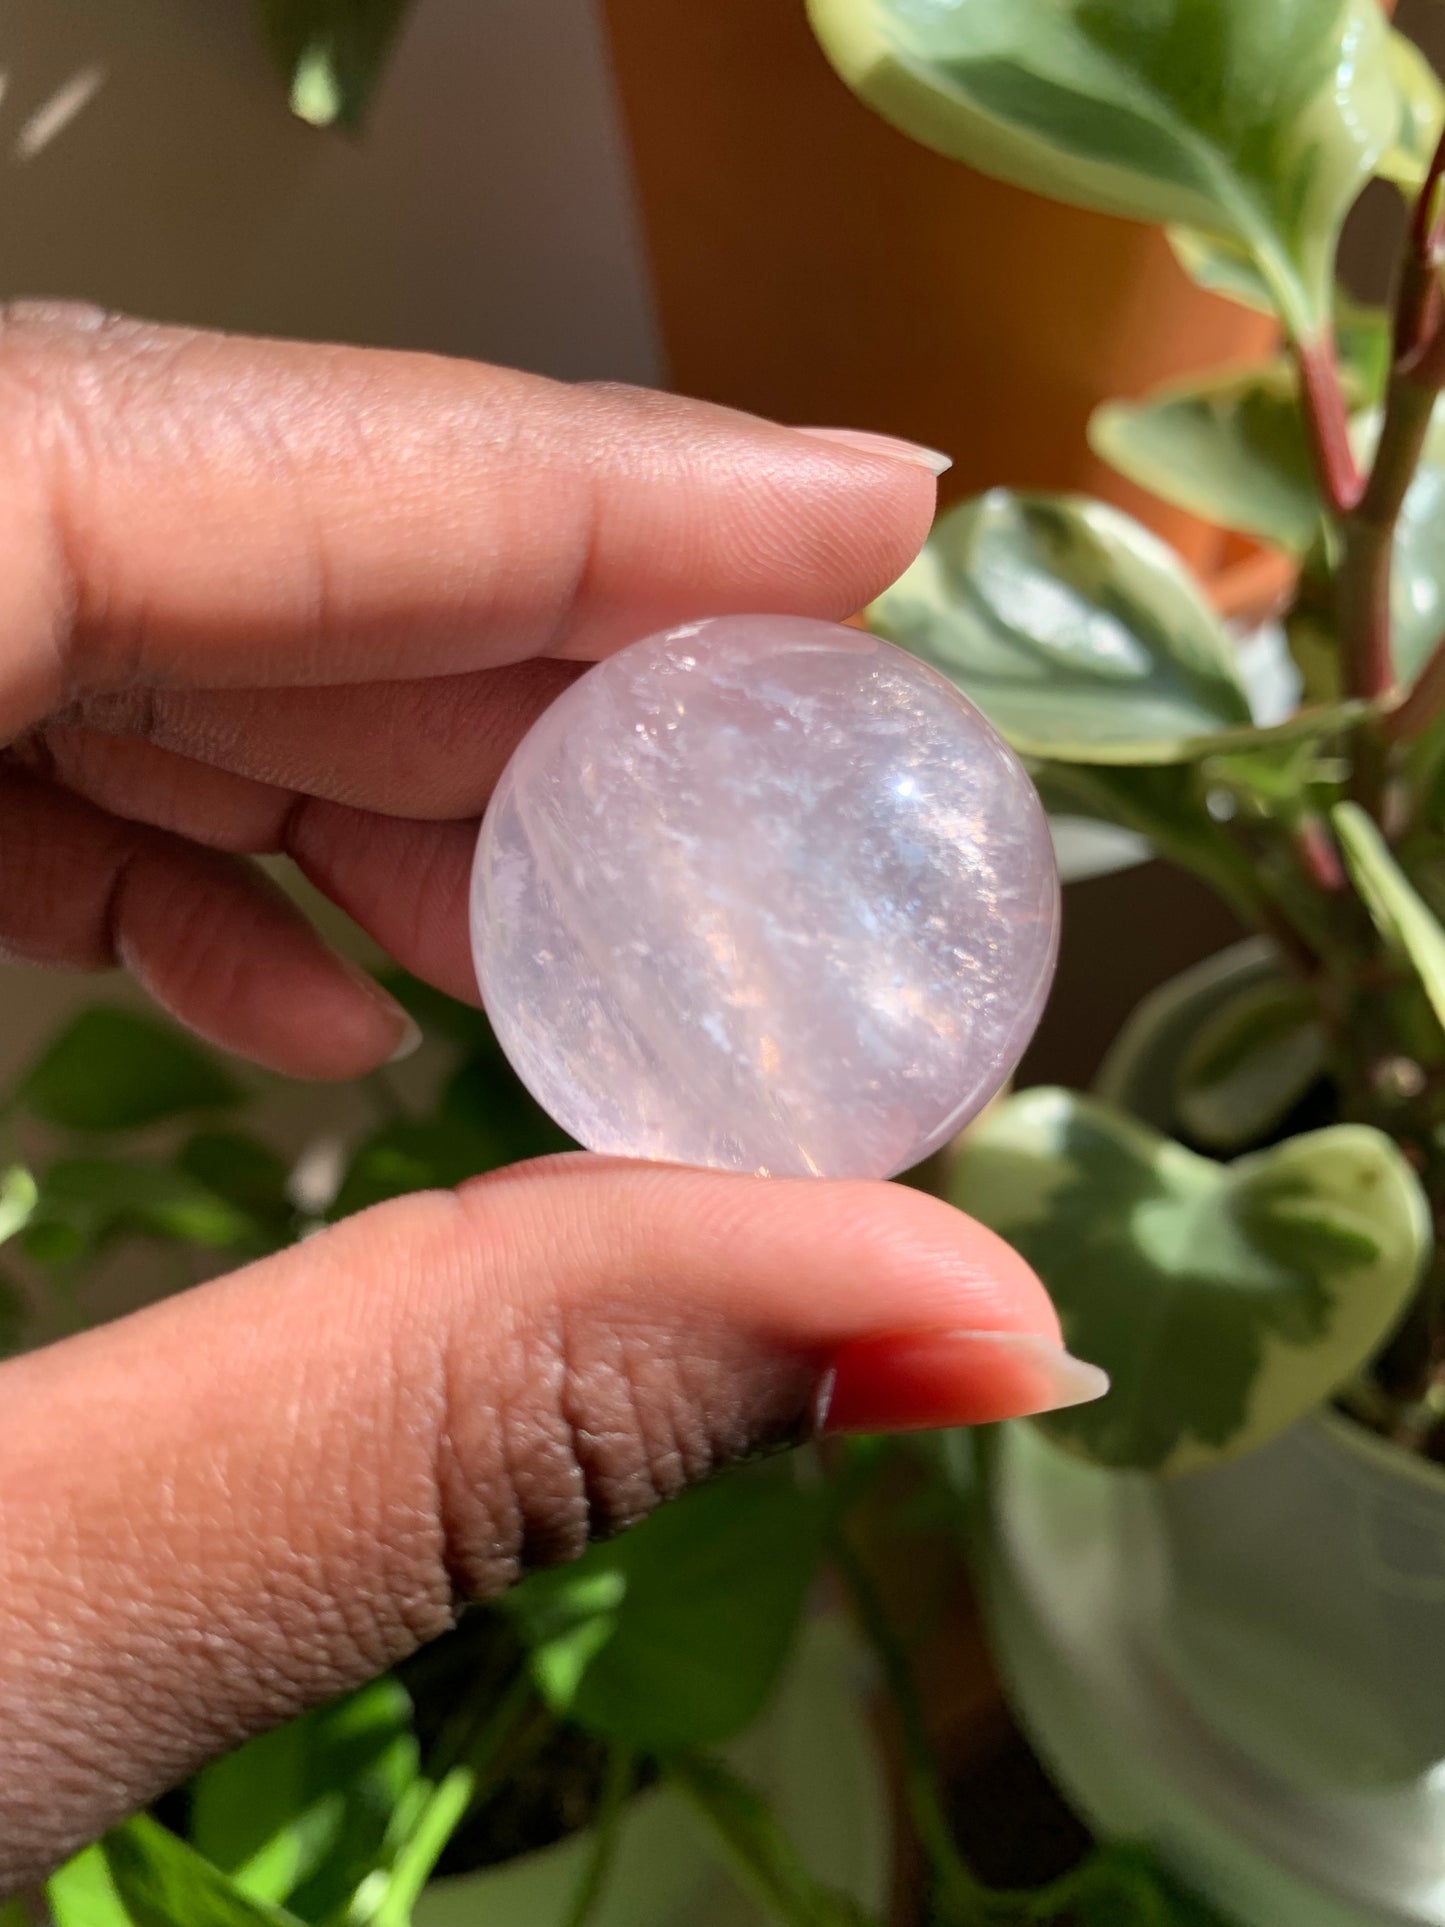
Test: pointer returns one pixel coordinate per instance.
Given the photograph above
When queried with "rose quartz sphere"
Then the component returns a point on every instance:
(764, 894)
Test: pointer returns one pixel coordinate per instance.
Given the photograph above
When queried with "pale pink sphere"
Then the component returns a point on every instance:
(764, 894)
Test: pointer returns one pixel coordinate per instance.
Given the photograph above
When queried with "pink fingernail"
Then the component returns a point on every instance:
(410, 1041)
(407, 1030)
(918, 1381)
(867, 443)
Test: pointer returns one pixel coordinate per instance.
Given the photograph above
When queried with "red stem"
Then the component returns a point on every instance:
(1425, 222)
(1424, 702)
(1319, 857)
(1327, 422)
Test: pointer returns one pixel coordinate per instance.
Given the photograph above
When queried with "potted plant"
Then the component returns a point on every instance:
(1220, 1594)
(1239, 1224)
(684, 1725)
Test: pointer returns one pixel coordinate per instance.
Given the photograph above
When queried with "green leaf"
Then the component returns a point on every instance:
(301, 1814)
(1257, 122)
(426, 1836)
(1400, 913)
(331, 53)
(88, 1202)
(164, 1883)
(112, 1070)
(1224, 1301)
(19, 1195)
(1229, 447)
(1422, 114)
(673, 1635)
(1248, 1065)
(1221, 266)
(80, 1894)
(237, 1167)
(1075, 630)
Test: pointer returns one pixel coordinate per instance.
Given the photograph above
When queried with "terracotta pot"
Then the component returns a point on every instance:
(813, 264)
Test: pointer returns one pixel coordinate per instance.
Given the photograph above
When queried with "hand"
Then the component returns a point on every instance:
(269, 598)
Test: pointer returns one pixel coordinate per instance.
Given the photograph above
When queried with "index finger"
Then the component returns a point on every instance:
(213, 511)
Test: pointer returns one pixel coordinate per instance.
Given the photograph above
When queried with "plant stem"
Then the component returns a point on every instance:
(1327, 424)
(1369, 524)
(1369, 537)
(607, 1829)
(1424, 702)
(1417, 299)
(1318, 857)
(758, 1851)
(959, 1890)
(433, 1827)
(478, 1746)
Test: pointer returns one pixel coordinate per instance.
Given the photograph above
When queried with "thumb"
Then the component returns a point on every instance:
(249, 1498)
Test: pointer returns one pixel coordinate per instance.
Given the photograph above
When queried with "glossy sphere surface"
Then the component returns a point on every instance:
(765, 894)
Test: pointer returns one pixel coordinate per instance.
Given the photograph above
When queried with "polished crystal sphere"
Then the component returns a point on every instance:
(764, 894)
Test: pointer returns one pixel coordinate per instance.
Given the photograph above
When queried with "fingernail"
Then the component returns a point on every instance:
(408, 1031)
(409, 1043)
(919, 1381)
(868, 443)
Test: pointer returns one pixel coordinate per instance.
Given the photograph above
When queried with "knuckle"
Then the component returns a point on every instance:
(598, 1415)
(66, 372)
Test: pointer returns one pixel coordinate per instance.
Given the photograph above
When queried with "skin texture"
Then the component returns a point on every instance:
(259, 597)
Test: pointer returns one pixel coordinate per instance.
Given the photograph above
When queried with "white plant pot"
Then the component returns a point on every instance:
(1245, 1666)
(815, 1757)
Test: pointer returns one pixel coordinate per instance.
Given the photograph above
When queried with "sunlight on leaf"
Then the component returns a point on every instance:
(1075, 630)
(1422, 114)
(164, 1883)
(300, 1815)
(19, 1195)
(1261, 123)
(81, 1894)
(331, 53)
(1225, 1301)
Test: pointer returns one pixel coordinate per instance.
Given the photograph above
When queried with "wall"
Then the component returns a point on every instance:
(489, 211)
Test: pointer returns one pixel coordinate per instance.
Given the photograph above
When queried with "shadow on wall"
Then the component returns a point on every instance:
(148, 162)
